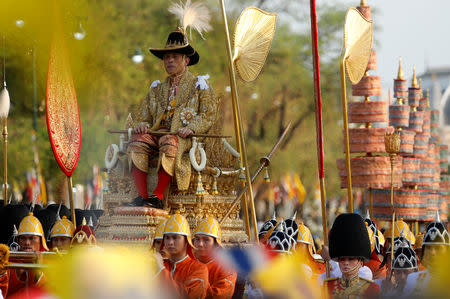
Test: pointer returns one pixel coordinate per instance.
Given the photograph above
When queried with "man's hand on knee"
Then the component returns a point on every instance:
(185, 132)
(140, 129)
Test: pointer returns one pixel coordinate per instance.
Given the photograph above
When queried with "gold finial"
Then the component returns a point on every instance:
(84, 221)
(363, 3)
(414, 80)
(392, 143)
(400, 70)
(428, 98)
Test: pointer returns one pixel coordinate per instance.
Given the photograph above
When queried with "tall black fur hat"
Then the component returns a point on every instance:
(86, 214)
(11, 215)
(63, 210)
(349, 237)
(47, 218)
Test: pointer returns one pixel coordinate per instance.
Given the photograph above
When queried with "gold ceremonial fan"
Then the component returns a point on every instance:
(357, 44)
(354, 60)
(253, 36)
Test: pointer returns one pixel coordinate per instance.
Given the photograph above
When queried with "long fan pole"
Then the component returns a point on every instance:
(392, 157)
(72, 207)
(319, 127)
(238, 126)
(5, 160)
(5, 137)
(347, 143)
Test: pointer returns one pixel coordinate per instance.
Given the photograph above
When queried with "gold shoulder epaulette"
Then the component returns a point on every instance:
(330, 279)
(366, 279)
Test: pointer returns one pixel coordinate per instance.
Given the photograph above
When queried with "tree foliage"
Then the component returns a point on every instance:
(109, 85)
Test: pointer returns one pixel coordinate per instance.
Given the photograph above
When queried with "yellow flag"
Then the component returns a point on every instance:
(288, 276)
(301, 192)
(43, 195)
(111, 272)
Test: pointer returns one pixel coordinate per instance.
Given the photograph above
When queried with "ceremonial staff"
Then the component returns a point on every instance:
(4, 111)
(319, 127)
(264, 162)
(354, 59)
(392, 145)
(251, 22)
(63, 115)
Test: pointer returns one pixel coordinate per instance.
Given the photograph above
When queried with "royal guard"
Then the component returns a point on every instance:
(350, 247)
(182, 272)
(435, 245)
(207, 239)
(83, 235)
(61, 234)
(182, 104)
(405, 262)
(305, 247)
(267, 229)
(158, 239)
(374, 264)
(30, 238)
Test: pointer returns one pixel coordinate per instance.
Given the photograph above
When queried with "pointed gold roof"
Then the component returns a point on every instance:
(414, 80)
(400, 69)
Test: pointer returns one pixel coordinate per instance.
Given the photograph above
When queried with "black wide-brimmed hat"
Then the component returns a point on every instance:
(177, 42)
(349, 237)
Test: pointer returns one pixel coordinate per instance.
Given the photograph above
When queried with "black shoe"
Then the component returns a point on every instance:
(154, 202)
(137, 202)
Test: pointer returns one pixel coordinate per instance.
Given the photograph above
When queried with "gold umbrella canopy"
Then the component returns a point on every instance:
(357, 44)
(253, 36)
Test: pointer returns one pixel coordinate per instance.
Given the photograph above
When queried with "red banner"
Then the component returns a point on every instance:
(63, 115)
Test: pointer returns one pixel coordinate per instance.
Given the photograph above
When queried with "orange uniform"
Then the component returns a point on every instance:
(221, 281)
(317, 266)
(374, 266)
(10, 283)
(4, 282)
(188, 276)
(356, 287)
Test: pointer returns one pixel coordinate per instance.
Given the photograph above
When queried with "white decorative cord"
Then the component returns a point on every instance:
(110, 163)
(194, 163)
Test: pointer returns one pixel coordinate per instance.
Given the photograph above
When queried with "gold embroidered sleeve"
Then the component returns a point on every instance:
(146, 109)
(207, 112)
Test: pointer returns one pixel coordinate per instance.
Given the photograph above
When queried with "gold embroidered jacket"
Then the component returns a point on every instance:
(357, 287)
(193, 92)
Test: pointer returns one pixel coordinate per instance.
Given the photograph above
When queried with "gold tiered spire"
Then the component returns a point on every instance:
(414, 80)
(363, 3)
(400, 69)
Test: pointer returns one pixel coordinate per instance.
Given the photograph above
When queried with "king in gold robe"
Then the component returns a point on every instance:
(181, 105)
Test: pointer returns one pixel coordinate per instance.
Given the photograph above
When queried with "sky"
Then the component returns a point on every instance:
(416, 30)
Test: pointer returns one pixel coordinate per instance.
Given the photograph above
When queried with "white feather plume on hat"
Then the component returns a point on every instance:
(195, 15)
